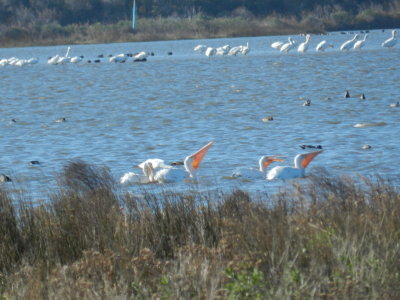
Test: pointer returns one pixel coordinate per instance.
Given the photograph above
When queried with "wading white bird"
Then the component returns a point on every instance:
(252, 173)
(349, 44)
(288, 46)
(390, 42)
(322, 46)
(168, 174)
(304, 46)
(301, 161)
(360, 43)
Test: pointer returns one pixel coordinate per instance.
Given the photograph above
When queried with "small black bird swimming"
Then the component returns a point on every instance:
(310, 147)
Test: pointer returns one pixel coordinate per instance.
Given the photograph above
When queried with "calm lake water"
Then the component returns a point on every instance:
(118, 115)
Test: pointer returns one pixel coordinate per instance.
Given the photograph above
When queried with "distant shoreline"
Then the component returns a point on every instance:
(195, 28)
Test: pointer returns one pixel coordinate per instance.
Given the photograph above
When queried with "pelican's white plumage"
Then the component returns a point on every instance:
(277, 45)
(304, 46)
(349, 44)
(252, 173)
(53, 60)
(360, 43)
(200, 48)
(323, 45)
(301, 161)
(390, 42)
(210, 51)
(64, 59)
(132, 177)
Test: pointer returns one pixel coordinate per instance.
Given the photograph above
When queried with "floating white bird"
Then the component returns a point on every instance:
(360, 43)
(301, 161)
(390, 42)
(141, 56)
(277, 45)
(53, 60)
(251, 173)
(120, 58)
(288, 46)
(210, 51)
(223, 50)
(349, 44)
(322, 46)
(304, 46)
(200, 48)
(244, 49)
(76, 59)
(64, 59)
(160, 174)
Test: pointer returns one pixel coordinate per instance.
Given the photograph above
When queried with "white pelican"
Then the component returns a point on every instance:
(360, 43)
(120, 58)
(200, 48)
(210, 51)
(277, 45)
(223, 50)
(390, 42)
(349, 44)
(141, 56)
(301, 161)
(166, 174)
(64, 59)
(304, 46)
(288, 46)
(234, 51)
(244, 50)
(53, 60)
(76, 59)
(322, 46)
(259, 173)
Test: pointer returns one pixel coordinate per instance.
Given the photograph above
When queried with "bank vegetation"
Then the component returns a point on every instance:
(326, 238)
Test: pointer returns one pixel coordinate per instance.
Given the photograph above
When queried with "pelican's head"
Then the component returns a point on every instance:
(193, 161)
(265, 161)
(356, 36)
(301, 161)
(394, 32)
(308, 37)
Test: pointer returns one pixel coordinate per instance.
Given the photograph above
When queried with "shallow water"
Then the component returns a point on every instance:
(118, 115)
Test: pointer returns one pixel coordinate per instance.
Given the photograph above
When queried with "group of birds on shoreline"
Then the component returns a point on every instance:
(157, 171)
(223, 50)
(355, 43)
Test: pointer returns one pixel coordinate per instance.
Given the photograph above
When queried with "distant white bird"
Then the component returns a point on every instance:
(120, 58)
(244, 49)
(349, 44)
(76, 59)
(210, 51)
(301, 161)
(322, 46)
(390, 42)
(288, 46)
(304, 46)
(64, 59)
(277, 45)
(223, 50)
(251, 173)
(360, 43)
(53, 60)
(200, 48)
(234, 51)
(140, 56)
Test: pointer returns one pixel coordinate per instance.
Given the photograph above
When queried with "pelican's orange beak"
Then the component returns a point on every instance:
(309, 157)
(271, 160)
(198, 156)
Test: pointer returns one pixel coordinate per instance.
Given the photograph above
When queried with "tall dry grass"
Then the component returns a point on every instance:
(327, 238)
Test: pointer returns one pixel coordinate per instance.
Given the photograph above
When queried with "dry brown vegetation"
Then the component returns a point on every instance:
(333, 238)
